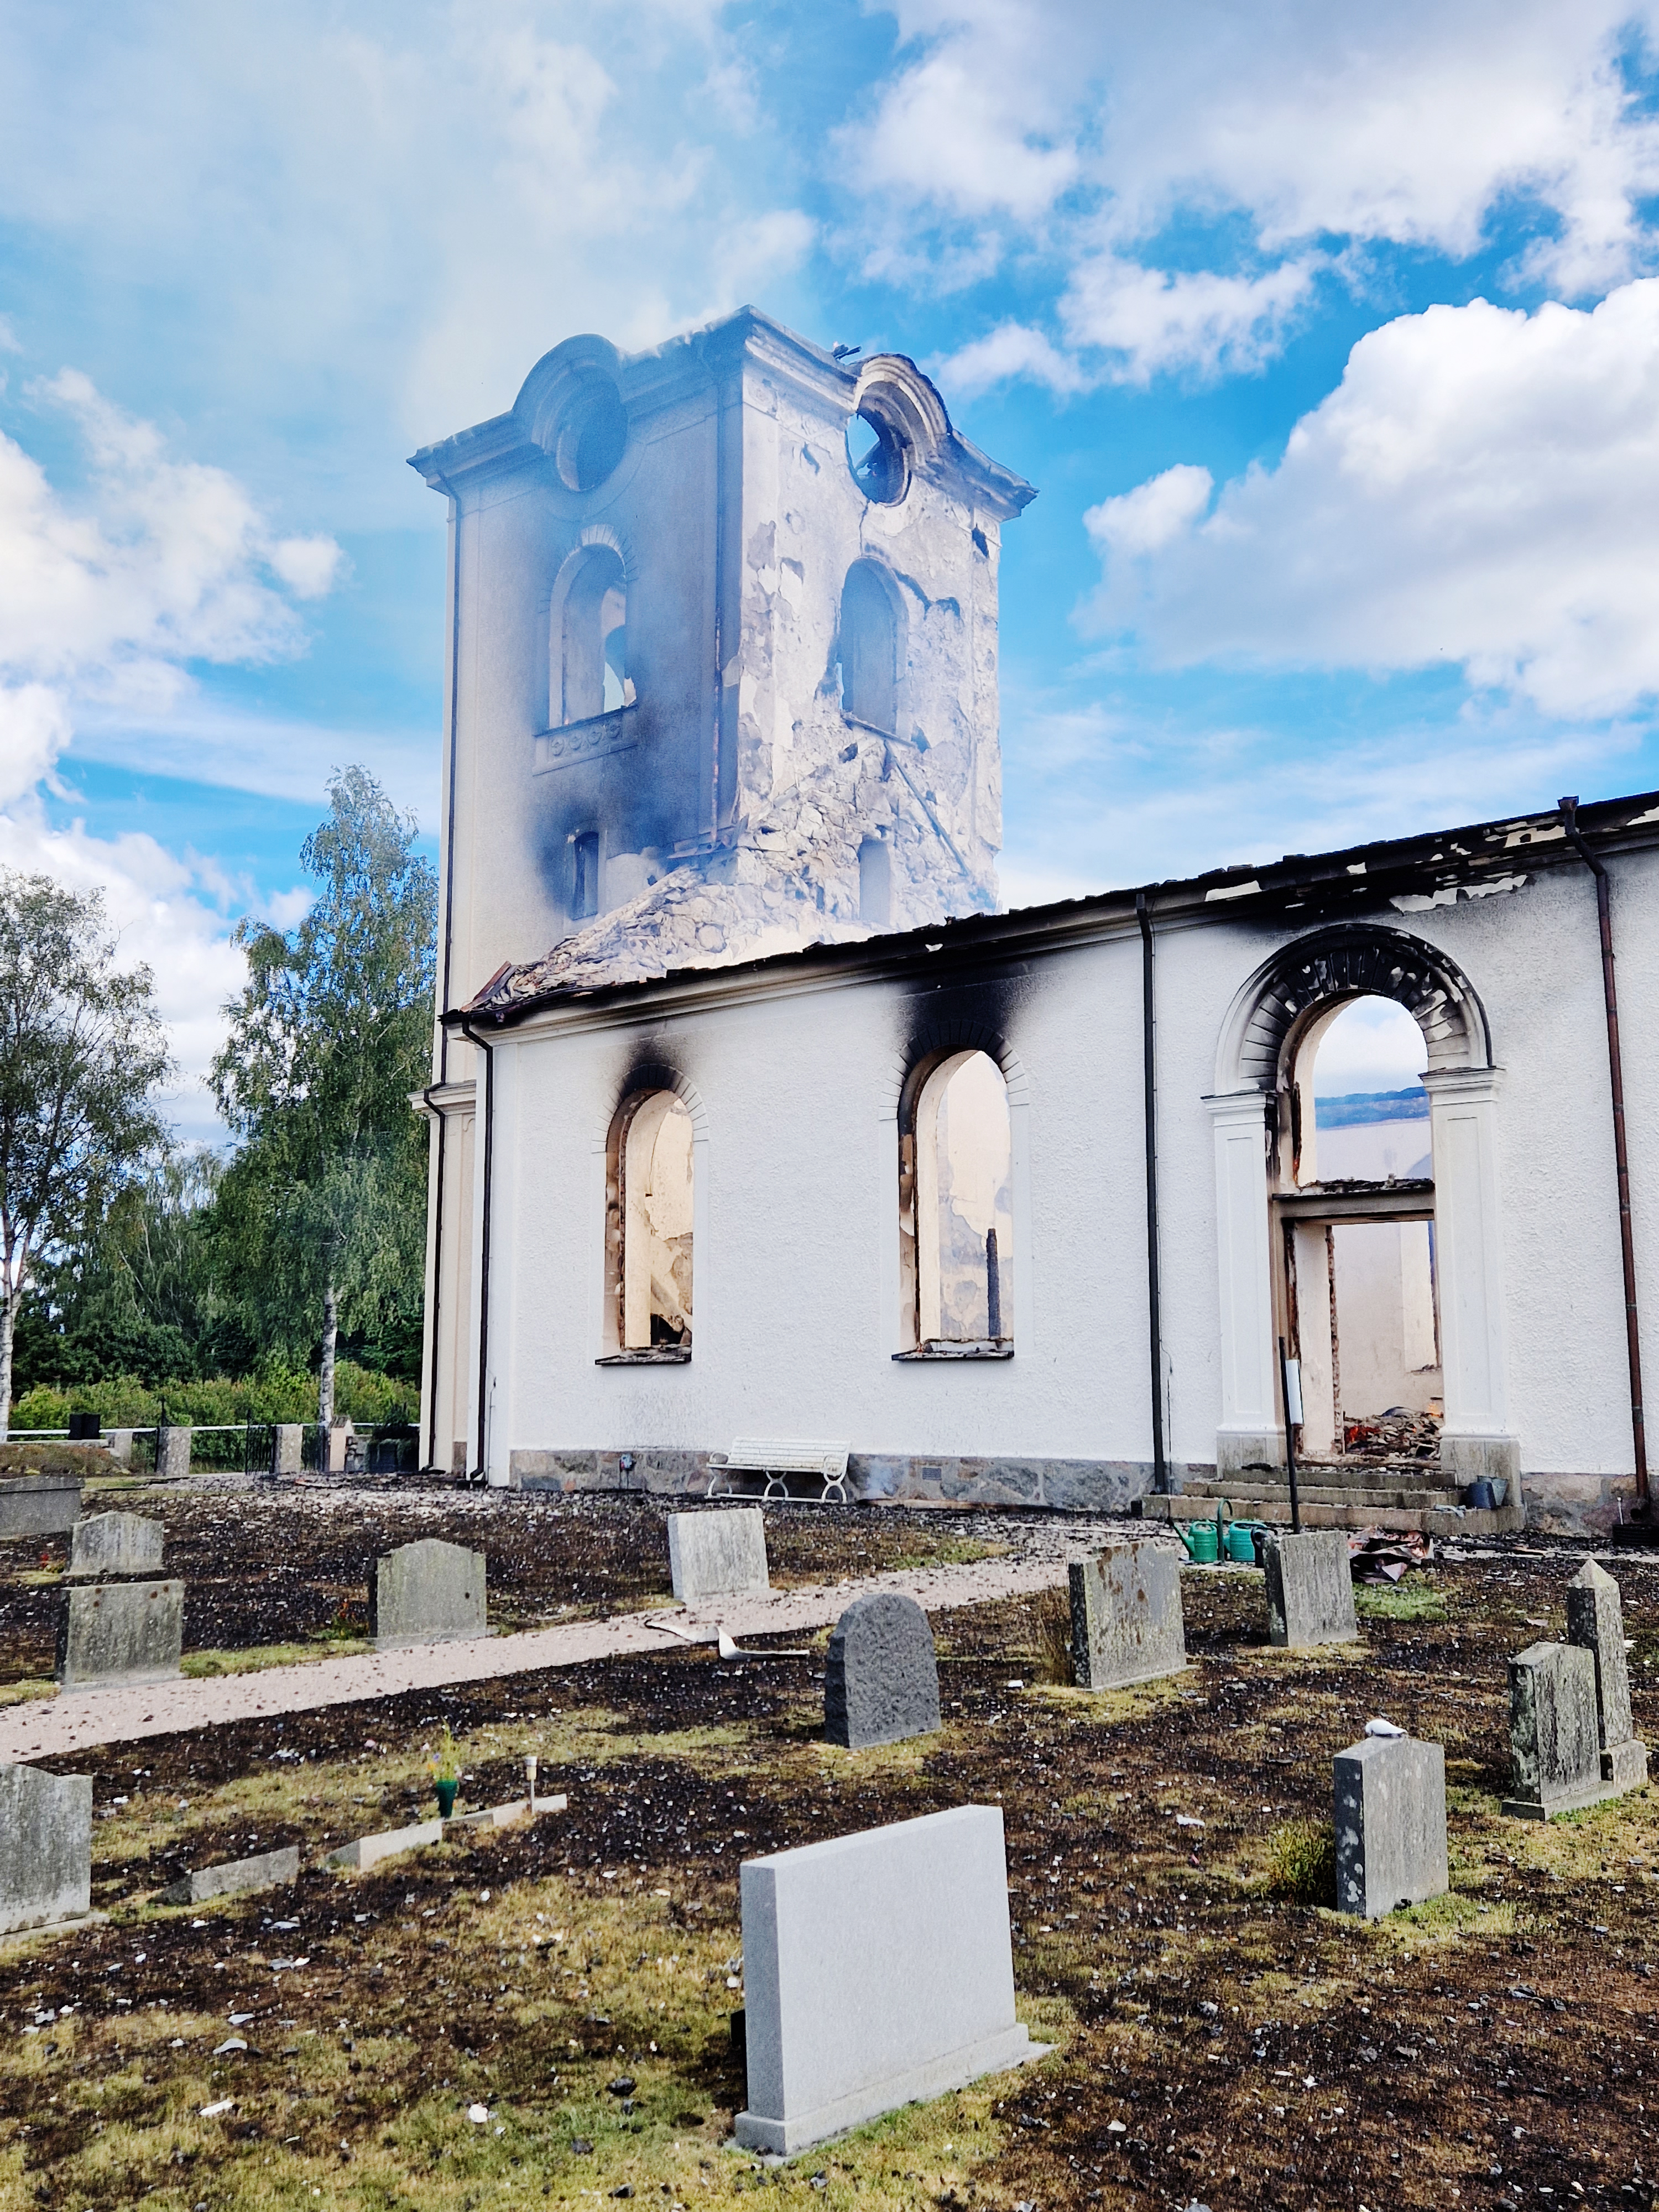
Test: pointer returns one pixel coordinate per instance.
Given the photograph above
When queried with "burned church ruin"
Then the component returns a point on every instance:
(752, 1116)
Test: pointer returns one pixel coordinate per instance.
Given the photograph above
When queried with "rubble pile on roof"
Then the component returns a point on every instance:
(686, 920)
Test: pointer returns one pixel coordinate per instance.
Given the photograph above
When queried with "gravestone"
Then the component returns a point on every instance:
(426, 1593)
(38, 1505)
(1555, 1732)
(111, 1634)
(1310, 1589)
(1127, 1621)
(717, 1554)
(1390, 1810)
(45, 1847)
(878, 1969)
(286, 1449)
(115, 1544)
(235, 1877)
(1596, 1621)
(171, 1454)
(881, 1678)
(120, 1444)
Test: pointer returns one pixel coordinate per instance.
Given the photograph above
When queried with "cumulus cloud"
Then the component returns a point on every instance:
(1010, 350)
(1088, 129)
(1481, 489)
(106, 601)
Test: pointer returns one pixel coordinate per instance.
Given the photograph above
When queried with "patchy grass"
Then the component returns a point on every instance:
(1302, 1863)
(19, 1694)
(1414, 1597)
(255, 1657)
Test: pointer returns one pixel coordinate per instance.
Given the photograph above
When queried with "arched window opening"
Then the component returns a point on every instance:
(876, 456)
(585, 875)
(650, 1179)
(1359, 1248)
(955, 1209)
(589, 643)
(869, 649)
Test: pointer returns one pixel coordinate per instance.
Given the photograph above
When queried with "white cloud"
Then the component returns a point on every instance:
(1481, 489)
(1088, 129)
(106, 602)
(1148, 320)
(1010, 350)
(1145, 520)
(409, 204)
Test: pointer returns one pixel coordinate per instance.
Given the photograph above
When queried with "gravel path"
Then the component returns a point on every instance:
(49, 1728)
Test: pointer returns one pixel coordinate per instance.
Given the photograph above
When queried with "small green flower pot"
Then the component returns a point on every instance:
(447, 1799)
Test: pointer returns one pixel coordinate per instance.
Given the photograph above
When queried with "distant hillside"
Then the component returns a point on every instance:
(1359, 1106)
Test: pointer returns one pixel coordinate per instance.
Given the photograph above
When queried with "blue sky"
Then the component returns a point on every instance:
(1329, 338)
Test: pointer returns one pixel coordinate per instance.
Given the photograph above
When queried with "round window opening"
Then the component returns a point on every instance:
(876, 456)
(592, 437)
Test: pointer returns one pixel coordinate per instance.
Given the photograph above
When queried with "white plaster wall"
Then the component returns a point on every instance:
(797, 1215)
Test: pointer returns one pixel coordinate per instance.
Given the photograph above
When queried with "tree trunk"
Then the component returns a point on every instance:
(8, 1322)
(325, 1379)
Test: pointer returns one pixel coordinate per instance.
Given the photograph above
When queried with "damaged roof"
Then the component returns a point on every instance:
(1411, 874)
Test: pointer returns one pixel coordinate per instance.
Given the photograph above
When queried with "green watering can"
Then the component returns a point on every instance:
(1204, 1539)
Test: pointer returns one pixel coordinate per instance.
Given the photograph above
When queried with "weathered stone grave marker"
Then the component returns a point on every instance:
(1555, 1732)
(426, 1593)
(234, 1877)
(881, 1678)
(115, 1544)
(1127, 1621)
(878, 1969)
(287, 1448)
(115, 1635)
(38, 1505)
(1310, 1589)
(45, 1847)
(1595, 1622)
(717, 1554)
(1390, 1812)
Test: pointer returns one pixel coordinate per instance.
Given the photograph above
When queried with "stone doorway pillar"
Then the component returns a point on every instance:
(1475, 1437)
(1251, 1433)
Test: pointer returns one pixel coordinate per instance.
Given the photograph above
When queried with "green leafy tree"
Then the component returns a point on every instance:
(321, 1216)
(81, 1055)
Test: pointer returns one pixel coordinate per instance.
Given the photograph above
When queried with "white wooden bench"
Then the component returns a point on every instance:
(776, 1457)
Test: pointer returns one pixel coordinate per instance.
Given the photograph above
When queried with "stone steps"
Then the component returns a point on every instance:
(1437, 1514)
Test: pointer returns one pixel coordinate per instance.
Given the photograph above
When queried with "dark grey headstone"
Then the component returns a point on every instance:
(1390, 1808)
(426, 1593)
(233, 1877)
(111, 1635)
(115, 1544)
(1310, 1589)
(1127, 1622)
(45, 1847)
(1555, 1731)
(1596, 1620)
(881, 1680)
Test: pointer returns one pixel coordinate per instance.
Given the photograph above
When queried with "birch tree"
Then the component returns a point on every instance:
(82, 1053)
(323, 1211)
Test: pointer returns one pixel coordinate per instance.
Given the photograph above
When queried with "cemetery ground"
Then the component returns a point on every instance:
(1219, 2040)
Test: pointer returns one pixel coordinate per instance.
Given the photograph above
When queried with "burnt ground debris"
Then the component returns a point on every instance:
(1217, 2043)
(263, 1567)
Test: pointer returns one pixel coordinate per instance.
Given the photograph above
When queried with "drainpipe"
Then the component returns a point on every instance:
(437, 1275)
(1620, 1152)
(1154, 1300)
(443, 980)
(487, 1107)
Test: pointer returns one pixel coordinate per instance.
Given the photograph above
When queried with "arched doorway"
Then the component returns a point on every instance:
(1275, 1206)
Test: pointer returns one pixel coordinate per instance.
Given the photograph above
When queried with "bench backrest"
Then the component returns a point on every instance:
(785, 1455)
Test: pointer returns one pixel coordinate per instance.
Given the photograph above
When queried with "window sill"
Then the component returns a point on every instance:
(937, 1347)
(658, 1355)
